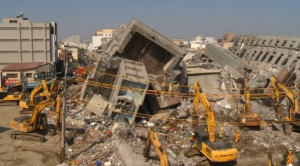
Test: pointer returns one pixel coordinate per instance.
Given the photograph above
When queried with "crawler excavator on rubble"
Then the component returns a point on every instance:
(205, 141)
(293, 113)
(153, 139)
(246, 117)
(35, 127)
(27, 105)
(11, 94)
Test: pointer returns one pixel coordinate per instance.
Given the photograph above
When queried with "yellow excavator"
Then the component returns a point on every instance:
(205, 141)
(36, 97)
(293, 113)
(246, 117)
(35, 127)
(153, 139)
(12, 94)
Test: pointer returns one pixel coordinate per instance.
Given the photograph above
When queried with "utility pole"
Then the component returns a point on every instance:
(63, 118)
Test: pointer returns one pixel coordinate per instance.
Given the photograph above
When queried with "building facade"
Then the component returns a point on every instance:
(105, 32)
(17, 72)
(24, 41)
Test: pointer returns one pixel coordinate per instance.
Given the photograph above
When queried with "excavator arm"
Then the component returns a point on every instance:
(54, 85)
(153, 139)
(276, 86)
(34, 92)
(247, 90)
(38, 109)
(46, 91)
(58, 110)
(201, 98)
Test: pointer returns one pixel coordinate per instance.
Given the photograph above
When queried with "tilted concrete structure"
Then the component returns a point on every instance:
(259, 73)
(138, 42)
(277, 50)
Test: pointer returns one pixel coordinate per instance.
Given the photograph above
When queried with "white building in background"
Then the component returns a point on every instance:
(97, 41)
(74, 41)
(196, 43)
(200, 42)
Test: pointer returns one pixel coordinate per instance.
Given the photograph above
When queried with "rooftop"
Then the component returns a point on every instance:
(22, 66)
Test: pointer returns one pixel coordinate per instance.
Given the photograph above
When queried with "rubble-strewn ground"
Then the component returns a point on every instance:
(92, 137)
(24, 152)
(125, 146)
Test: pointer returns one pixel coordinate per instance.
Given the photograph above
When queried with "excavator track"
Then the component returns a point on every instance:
(190, 152)
(27, 136)
(9, 103)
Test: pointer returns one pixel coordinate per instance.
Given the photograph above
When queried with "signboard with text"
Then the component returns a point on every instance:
(44, 75)
(7, 82)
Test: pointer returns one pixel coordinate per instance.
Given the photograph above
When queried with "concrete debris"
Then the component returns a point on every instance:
(223, 103)
(144, 80)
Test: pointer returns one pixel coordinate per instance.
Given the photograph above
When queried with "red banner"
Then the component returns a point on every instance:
(7, 82)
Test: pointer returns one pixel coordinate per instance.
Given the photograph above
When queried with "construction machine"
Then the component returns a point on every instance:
(35, 127)
(153, 139)
(13, 93)
(247, 118)
(27, 105)
(270, 161)
(205, 141)
(293, 112)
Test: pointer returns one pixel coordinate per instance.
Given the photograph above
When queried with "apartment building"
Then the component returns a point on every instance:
(105, 32)
(24, 41)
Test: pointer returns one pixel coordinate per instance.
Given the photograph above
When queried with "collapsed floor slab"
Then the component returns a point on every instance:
(260, 73)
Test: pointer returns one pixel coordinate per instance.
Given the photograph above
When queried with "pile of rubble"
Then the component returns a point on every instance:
(114, 125)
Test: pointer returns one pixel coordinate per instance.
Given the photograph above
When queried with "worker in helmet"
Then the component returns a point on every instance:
(221, 133)
(192, 139)
(287, 157)
(236, 136)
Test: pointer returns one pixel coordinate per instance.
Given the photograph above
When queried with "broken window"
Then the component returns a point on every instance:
(258, 56)
(263, 43)
(284, 43)
(292, 44)
(277, 41)
(271, 58)
(270, 42)
(252, 41)
(285, 61)
(264, 57)
(278, 59)
(253, 54)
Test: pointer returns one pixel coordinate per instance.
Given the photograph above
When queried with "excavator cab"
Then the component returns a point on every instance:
(215, 151)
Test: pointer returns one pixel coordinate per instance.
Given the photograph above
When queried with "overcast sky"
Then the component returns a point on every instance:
(171, 18)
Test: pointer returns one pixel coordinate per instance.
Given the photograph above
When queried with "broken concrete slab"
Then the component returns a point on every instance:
(97, 105)
(224, 57)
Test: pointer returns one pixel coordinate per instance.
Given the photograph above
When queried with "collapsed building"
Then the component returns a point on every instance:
(141, 58)
(279, 51)
(141, 53)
